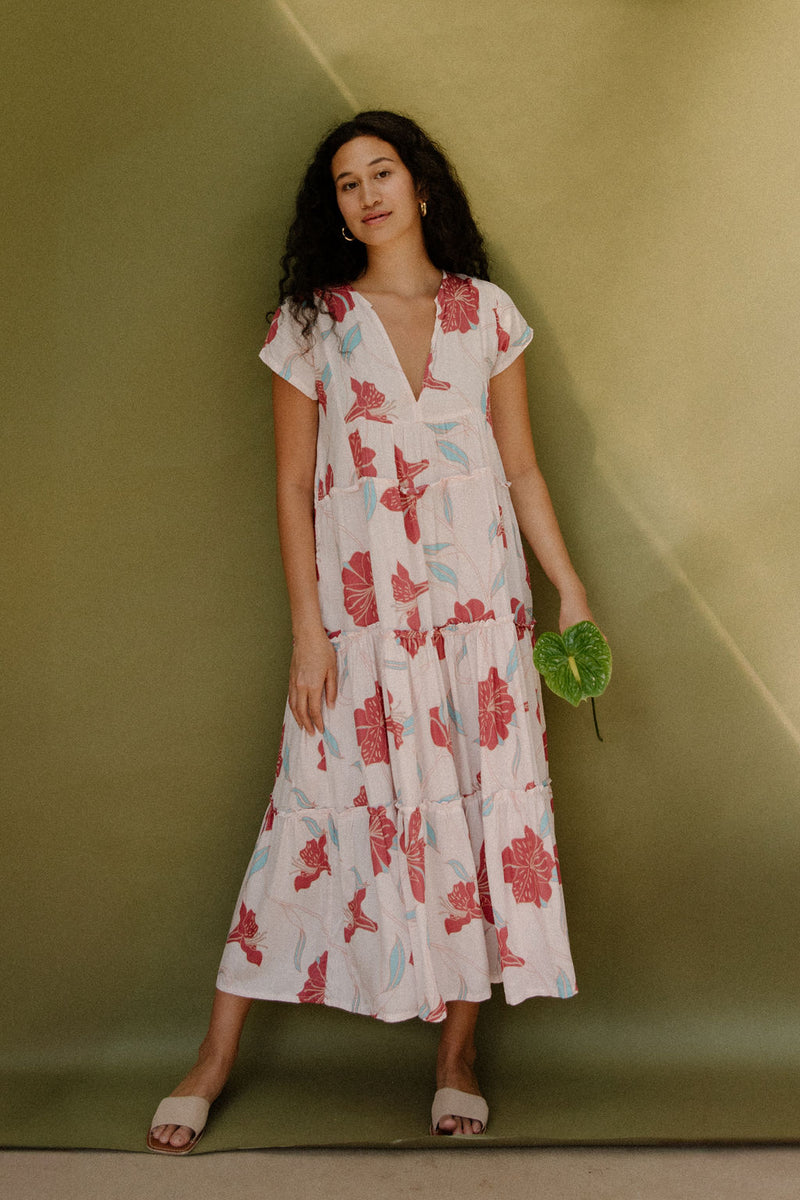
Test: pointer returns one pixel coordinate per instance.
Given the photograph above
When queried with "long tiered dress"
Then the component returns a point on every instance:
(407, 857)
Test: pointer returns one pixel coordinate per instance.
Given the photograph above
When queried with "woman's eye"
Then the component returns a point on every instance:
(347, 187)
(384, 172)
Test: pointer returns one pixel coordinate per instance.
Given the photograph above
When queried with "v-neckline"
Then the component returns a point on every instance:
(390, 343)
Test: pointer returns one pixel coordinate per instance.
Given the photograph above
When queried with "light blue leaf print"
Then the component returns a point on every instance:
(462, 991)
(344, 668)
(484, 398)
(447, 799)
(447, 507)
(523, 337)
(454, 714)
(462, 652)
(453, 453)
(565, 989)
(396, 664)
(259, 861)
(370, 497)
(441, 426)
(487, 805)
(513, 661)
(298, 951)
(499, 580)
(356, 1005)
(419, 772)
(430, 835)
(302, 798)
(326, 375)
(397, 964)
(424, 1012)
(313, 827)
(493, 529)
(333, 833)
(544, 824)
(444, 573)
(350, 342)
(359, 880)
(408, 727)
(286, 762)
(458, 868)
(331, 743)
(435, 547)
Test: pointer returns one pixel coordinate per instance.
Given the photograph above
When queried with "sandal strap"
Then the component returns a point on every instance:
(191, 1111)
(451, 1102)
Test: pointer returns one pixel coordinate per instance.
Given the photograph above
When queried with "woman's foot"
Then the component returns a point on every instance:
(456, 1071)
(206, 1079)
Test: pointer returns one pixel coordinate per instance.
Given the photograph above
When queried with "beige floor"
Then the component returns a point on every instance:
(758, 1173)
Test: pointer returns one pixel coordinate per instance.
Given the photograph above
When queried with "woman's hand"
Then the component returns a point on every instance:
(312, 671)
(574, 607)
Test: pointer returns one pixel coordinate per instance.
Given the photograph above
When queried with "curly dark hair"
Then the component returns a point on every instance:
(317, 257)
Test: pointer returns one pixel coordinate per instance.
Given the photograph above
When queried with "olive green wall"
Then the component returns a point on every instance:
(634, 167)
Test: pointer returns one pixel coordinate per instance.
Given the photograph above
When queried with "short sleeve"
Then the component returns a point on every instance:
(512, 331)
(288, 353)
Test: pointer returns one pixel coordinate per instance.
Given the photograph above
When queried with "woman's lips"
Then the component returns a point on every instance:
(375, 218)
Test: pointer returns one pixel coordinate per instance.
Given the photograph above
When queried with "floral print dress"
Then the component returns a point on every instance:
(407, 857)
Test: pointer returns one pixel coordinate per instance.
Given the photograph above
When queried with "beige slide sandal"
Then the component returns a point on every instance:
(191, 1111)
(451, 1102)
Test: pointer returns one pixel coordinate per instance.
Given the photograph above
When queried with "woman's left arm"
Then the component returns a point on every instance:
(529, 495)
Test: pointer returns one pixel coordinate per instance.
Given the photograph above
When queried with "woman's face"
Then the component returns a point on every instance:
(375, 191)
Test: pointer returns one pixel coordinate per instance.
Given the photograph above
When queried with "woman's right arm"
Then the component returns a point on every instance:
(313, 665)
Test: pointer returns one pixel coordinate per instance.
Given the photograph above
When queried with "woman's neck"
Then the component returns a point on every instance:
(402, 268)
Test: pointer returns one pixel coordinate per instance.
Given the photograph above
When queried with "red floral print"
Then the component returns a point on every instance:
(371, 729)
(280, 751)
(507, 959)
(269, 816)
(501, 529)
(361, 799)
(440, 733)
(319, 387)
(428, 381)
(382, 833)
(406, 592)
(244, 933)
(313, 861)
(359, 589)
(273, 328)
(495, 709)
(338, 301)
(404, 497)
(458, 301)
(438, 1013)
(556, 861)
(368, 398)
(528, 868)
(484, 896)
(321, 765)
(324, 489)
(473, 610)
(520, 617)
(411, 640)
(362, 456)
(358, 919)
(489, 420)
(438, 641)
(313, 990)
(414, 849)
(502, 337)
(463, 907)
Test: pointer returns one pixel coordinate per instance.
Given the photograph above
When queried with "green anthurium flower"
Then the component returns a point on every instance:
(576, 665)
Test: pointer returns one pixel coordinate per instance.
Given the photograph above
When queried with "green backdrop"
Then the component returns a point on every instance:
(634, 166)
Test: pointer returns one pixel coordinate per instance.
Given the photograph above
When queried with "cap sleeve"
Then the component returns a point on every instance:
(512, 331)
(288, 353)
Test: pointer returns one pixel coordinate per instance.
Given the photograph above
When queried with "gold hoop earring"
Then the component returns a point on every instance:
(423, 208)
(347, 237)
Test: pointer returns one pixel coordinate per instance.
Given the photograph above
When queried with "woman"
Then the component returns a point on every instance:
(407, 859)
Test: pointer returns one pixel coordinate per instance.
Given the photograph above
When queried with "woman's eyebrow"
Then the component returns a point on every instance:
(342, 174)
